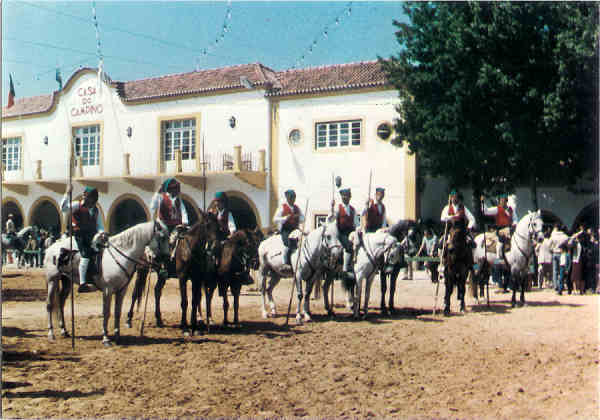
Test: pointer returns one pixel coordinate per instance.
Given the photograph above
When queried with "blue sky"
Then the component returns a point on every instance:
(140, 39)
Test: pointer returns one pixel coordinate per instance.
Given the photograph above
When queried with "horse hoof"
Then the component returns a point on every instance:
(265, 315)
(65, 334)
(107, 343)
(331, 314)
(364, 317)
(186, 333)
(446, 312)
(159, 323)
(51, 337)
(307, 318)
(298, 319)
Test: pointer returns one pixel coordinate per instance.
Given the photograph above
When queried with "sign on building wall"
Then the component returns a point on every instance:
(86, 102)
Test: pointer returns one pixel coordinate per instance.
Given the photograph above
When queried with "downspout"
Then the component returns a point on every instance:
(268, 163)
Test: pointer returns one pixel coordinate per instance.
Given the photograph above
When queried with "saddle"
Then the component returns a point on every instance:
(492, 238)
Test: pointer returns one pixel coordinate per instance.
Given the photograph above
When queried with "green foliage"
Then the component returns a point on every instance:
(495, 94)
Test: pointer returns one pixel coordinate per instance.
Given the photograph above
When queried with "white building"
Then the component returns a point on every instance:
(246, 130)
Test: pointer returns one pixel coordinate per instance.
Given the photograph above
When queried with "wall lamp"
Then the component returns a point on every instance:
(232, 122)
(45, 140)
(129, 131)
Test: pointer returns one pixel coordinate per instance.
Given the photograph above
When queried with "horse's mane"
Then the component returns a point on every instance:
(130, 238)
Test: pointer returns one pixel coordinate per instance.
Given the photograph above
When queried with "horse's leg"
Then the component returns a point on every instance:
(63, 294)
(184, 302)
(160, 283)
(327, 283)
(196, 303)
(119, 298)
(226, 281)
(138, 292)
(368, 284)
(300, 296)
(448, 293)
(383, 287)
(514, 278)
(461, 290)
(309, 286)
(357, 294)
(393, 278)
(50, 299)
(524, 281)
(106, 299)
(236, 288)
(273, 281)
(262, 281)
(209, 291)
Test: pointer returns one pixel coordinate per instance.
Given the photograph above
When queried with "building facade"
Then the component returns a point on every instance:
(246, 130)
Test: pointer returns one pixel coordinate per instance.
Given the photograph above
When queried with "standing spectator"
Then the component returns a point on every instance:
(564, 261)
(31, 245)
(544, 253)
(557, 238)
(430, 246)
(410, 245)
(576, 278)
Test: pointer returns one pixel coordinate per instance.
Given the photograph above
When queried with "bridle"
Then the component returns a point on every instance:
(386, 253)
(530, 232)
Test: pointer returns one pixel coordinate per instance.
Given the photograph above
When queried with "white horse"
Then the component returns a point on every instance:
(119, 260)
(529, 230)
(320, 248)
(16, 243)
(379, 251)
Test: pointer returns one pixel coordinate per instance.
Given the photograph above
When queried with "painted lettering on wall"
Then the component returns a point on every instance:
(87, 105)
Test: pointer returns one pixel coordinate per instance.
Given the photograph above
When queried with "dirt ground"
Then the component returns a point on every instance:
(537, 362)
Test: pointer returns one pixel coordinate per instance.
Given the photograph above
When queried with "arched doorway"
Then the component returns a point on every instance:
(242, 210)
(190, 208)
(550, 218)
(126, 212)
(11, 207)
(45, 215)
(588, 216)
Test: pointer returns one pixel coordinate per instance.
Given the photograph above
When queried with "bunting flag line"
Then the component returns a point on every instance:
(59, 79)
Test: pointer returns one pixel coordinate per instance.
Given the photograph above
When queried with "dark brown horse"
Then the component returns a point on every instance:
(458, 261)
(195, 259)
(239, 255)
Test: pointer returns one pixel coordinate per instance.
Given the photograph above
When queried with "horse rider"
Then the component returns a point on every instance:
(454, 211)
(168, 206)
(288, 218)
(505, 219)
(86, 222)
(220, 208)
(374, 212)
(347, 220)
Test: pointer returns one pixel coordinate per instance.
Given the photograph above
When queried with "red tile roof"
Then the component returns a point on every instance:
(291, 82)
(359, 75)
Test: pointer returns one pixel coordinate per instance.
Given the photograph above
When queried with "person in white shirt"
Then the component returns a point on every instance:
(288, 218)
(544, 254)
(220, 208)
(456, 210)
(557, 239)
(505, 217)
(347, 220)
(168, 205)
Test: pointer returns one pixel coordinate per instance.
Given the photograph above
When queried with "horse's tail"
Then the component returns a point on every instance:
(140, 285)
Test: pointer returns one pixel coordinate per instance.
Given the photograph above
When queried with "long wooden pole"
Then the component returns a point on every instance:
(70, 231)
(287, 318)
(203, 177)
(437, 286)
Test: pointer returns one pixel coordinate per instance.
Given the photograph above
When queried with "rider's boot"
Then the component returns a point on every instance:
(85, 285)
(500, 250)
(286, 259)
(348, 269)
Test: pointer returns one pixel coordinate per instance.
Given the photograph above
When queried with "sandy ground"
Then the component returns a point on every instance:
(537, 362)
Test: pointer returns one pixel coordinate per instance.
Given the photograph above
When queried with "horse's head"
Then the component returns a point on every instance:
(158, 247)
(392, 251)
(330, 240)
(255, 237)
(457, 235)
(536, 226)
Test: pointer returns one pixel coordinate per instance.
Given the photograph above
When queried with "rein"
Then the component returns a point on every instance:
(372, 259)
(528, 238)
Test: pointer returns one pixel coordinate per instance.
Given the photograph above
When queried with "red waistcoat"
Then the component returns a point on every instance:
(504, 217)
(457, 213)
(374, 218)
(169, 211)
(294, 221)
(345, 221)
(84, 220)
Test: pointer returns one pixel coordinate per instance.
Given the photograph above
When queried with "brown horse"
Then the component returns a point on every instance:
(458, 261)
(238, 256)
(194, 260)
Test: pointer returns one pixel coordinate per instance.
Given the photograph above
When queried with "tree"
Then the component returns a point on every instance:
(498, 94)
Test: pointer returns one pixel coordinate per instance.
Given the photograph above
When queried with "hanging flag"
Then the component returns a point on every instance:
(59, 79)
(11, 93)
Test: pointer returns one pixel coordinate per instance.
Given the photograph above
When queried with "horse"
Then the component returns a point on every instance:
(378, 251)
(16, 243)
(239, 256)
(194, 259)
(529, 230)
(319, 249)
(457, 263)
(119, 258)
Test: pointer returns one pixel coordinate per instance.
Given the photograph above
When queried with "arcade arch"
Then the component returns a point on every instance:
(192, 209)
(10, 205)
(588, 216)
(126, 211)
(45, 213)
(244, 211)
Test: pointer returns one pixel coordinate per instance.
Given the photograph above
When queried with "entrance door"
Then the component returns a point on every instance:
(46, 216)
(128, 213)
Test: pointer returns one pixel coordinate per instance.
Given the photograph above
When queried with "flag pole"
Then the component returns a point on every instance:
(203, 177)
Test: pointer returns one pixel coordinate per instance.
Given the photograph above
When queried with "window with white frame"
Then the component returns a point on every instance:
(179, 135)
(87, 144)
(11, 153)
(330, 135)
